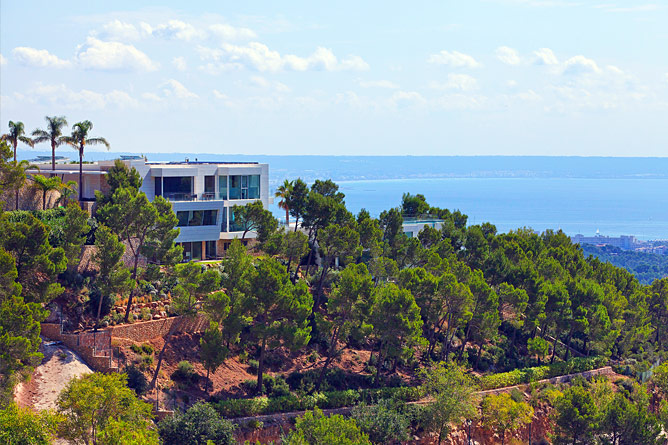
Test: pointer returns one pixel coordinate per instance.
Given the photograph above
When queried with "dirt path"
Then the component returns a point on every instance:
(59, 365)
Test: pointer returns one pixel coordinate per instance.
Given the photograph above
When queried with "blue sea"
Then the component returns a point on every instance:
(614, 196)
(612, 207)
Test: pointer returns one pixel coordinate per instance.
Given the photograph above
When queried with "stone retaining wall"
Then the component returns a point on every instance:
(148, 330)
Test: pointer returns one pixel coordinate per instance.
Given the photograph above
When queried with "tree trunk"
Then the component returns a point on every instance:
(296, 222)
(207, 380)
(260, 366)
(379, 364)
(132, 292)
(43, 199)
(330, 355)
(53, 158)
(161, 355)
(17, 189)
(287, 217)
(81, 175)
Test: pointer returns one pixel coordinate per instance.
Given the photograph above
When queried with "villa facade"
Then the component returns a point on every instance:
(202, 194)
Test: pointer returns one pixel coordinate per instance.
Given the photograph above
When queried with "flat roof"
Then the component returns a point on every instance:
(182, 163)
(66, 172)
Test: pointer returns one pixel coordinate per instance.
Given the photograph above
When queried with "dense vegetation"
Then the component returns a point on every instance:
(516, 307)
(646, 267)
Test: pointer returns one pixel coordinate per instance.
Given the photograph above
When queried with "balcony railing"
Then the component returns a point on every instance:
(209, 196)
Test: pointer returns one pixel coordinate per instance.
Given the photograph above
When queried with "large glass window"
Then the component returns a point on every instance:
(222, 187)
(209, 187)
(210, 250)
(254, 187)
(209, 218)
(235, 187)
(197, 218)
(223, 225)
(197, 251)
(177, 188)
(158, 186)
(183, 218)
(187, 251)
(245, 187)
(234, 225)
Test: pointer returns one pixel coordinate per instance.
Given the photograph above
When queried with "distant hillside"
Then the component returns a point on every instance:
(647, 267)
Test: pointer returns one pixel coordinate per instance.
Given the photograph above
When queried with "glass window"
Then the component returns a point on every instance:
(209, 184)
(223, 225)
(254, 187)
(235, 187)
(210, 250)
(222, 187)
(195, 218)
(209, 218)
(183, 218)
(234, 227)
(187, 251)
(197, 250)
(158, 186)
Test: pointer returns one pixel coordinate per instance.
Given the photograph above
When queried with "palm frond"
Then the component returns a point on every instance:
(97, 141)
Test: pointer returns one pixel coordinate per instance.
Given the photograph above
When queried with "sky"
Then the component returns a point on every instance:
(465, 77)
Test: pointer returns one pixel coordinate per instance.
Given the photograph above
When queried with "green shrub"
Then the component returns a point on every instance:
(184, 373)
(136, 380)
(199, 424)
(325, 400)
(147, 348)
(528, 375)
(136, 349)
(382, 422)
(253, 366)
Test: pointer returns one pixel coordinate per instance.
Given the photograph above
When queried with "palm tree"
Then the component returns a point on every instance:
(46, 185)
(53, 134)
(16, 134)
(67, 190)
(79, 140)
(283, 191)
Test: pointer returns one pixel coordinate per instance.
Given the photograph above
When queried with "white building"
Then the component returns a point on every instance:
(202, 195)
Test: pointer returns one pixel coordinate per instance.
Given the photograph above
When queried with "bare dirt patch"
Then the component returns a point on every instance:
(59, 366)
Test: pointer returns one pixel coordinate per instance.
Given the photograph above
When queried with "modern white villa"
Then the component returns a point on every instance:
(202, 195)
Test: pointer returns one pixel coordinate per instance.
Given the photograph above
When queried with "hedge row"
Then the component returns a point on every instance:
(528, 375)
(339, 399)
(323, 400)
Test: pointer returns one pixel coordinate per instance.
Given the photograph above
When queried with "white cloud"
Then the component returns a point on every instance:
(117, 30)
(227, 32)
(3, 61)
(648, 7)
(259, 57)
(666, 78)
(545, 56)
(63, 96)
(407, 98)
(462, 82)
(378, 84)
(174, 88)
(261, 82)
(454, 59)
(511, 83)
(38, 58)
(176, 29)
(529, 96)
(221, 96)
(180, 63)
(112, 56)
(508, 55)
(579, 65)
